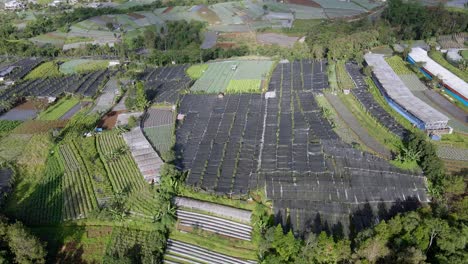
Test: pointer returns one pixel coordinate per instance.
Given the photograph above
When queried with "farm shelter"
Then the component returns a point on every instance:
(399, 96)
(450, 81)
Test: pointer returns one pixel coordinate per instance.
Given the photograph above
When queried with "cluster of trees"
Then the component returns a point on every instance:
(435, 233)
(17, 245)
(412, 20)
(136, 99)
(342, 40)
(176, 35)
(427, 159)
(401, 20)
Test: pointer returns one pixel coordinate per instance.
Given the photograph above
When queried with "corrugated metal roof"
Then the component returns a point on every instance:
(397, 90)
(455, 82)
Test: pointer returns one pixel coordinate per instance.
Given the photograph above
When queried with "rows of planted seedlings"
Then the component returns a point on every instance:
(124, 174)
(77, 187)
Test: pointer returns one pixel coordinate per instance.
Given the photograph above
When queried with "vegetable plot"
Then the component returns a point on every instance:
(244, 86)
(77, 188)
(124, 174)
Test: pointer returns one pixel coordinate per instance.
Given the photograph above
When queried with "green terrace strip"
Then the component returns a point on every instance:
(196, 71)
(37, 197)
(7, 126)
(79, 198)
(124, 175)
(344, 81)
(219, 75)
(373, 127)
(232, 247)
(244, 86)
(339, 125)
(439, 58)
(59, 109)
(398, 65)
(83, 66)
(45, 70)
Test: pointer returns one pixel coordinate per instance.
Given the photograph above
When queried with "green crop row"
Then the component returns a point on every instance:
(244, 86)
(79, 198)
(7, 126)
(161, 137)
(344, 81)
(59, 109)
(124, 174)
(45, 70)
(398, 65)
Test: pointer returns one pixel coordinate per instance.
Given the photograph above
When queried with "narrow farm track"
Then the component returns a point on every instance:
(458, 118)
(353, 123)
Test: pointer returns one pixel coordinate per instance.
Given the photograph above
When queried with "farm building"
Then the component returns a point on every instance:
(5, 72)
(400, 98)
(452, 83)
(14, 5)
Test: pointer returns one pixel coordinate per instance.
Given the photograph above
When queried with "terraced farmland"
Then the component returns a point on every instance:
(158, 127)
(363, 95)
(79, 198)
(86, 85)
(59, 109)
(237, 143)
(163, 85)
(214, 224)
(124, 174)
(180, 252)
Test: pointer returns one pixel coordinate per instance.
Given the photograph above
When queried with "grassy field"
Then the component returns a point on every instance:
(332, 79)
(398, 65)
(219, 75)
(83, 66)
(344, 81)
(244, 86)
(59, 109)
(6, 126)
(464, 54)
(161, 137)
(75, 243)
(439, 58)
(45, 70)
(375, 129)
(196, 71)
(124, 175)
(339, 126)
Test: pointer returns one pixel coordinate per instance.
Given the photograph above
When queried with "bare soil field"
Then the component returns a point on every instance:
(109, 120)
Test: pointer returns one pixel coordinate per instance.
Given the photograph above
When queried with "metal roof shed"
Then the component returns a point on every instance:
(449, 79)
(397, 91)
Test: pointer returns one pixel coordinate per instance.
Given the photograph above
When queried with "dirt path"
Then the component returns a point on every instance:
(353, 123)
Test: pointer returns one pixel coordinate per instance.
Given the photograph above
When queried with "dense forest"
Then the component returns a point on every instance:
(401, 20)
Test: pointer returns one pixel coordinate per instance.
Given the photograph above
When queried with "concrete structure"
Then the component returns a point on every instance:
(453, 84)
(14, 5)
(400, 98)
